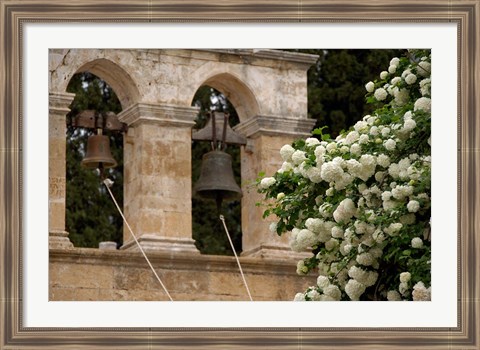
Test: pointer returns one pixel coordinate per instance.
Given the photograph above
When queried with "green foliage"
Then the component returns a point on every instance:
(361, 202)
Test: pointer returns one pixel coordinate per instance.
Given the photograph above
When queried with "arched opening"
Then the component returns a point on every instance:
(91, 216)
(207, 229)
(238, 93)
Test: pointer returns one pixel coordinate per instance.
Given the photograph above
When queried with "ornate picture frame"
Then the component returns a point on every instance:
(15, 14)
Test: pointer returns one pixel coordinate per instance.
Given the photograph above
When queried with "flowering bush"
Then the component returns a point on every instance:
(361, 202)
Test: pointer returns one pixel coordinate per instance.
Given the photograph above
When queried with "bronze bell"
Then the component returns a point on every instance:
(216, 178)
(98, 153)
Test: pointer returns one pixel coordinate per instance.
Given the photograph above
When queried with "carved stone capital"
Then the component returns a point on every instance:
(275, 126)
(169, 115)
(59, 102)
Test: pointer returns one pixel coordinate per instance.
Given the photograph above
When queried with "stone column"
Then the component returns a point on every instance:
(59, 103)
(266, 135)
(157, 177)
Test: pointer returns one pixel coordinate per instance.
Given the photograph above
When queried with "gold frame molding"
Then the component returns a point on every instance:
(14, 14)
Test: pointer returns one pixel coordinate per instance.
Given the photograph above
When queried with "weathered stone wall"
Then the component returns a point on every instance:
(268, 89)
(92, 274)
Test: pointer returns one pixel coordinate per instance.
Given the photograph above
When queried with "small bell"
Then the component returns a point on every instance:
(98, 153)
(216, 178)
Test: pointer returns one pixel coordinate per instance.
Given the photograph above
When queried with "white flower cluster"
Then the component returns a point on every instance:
(421, 293)
(368, 193)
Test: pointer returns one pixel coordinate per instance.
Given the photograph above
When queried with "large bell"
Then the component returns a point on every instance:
(98, 153)
(216, 178)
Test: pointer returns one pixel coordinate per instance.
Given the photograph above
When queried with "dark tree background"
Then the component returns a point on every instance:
(336, 99)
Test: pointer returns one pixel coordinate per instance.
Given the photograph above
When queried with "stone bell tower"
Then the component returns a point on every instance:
(268, 89)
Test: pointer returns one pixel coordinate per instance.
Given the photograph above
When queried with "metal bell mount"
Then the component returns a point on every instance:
(216, 176)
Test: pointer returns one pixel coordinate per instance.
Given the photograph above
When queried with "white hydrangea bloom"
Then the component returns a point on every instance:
(401, 97)
(323, 282)
(392, 69)
(344, 180)
(390, 144)
(331, 171)
(333, 292)
(330, 191)
(400, 192)
(280, 196)
(425, 86)
(286, 152)
(420, 292)
(406, 72)
(385, 131)
(409, 125)
(405, 277)
(312, 141)
(394, 170)
(332, 146)
(319, 152)
(299, 297)
(314, 174)
(422, 104)
(424, 69)
(363, 139)
(374, 130)
(301, 268)
(365, 259)
(267, 182)
(417, 243)
(313, 295)
(383, 75)
(383, 160)
(314, 224)
(403, 289)
(305, 239)
(354, 289)
(413, 206)
(410, 79)
(393, 295)
(395, 61)
(367, 278)
(386, 195)
(395, 80)
(370, 120)
(286, 166)
(393, 228)
(345, 210)
(298, 157)
(370, 86)
(408, 219)
(356, 149)
(380, 94)
(361, 126)
(378, 236)
(331, 244)
(337, 232)
(352, 137)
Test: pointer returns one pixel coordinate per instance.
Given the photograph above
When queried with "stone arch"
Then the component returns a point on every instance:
(115, 76)
(237, 91)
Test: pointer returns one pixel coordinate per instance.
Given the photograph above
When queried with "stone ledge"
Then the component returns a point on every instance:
(175, 260)
(170, 115)
(275, 126)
